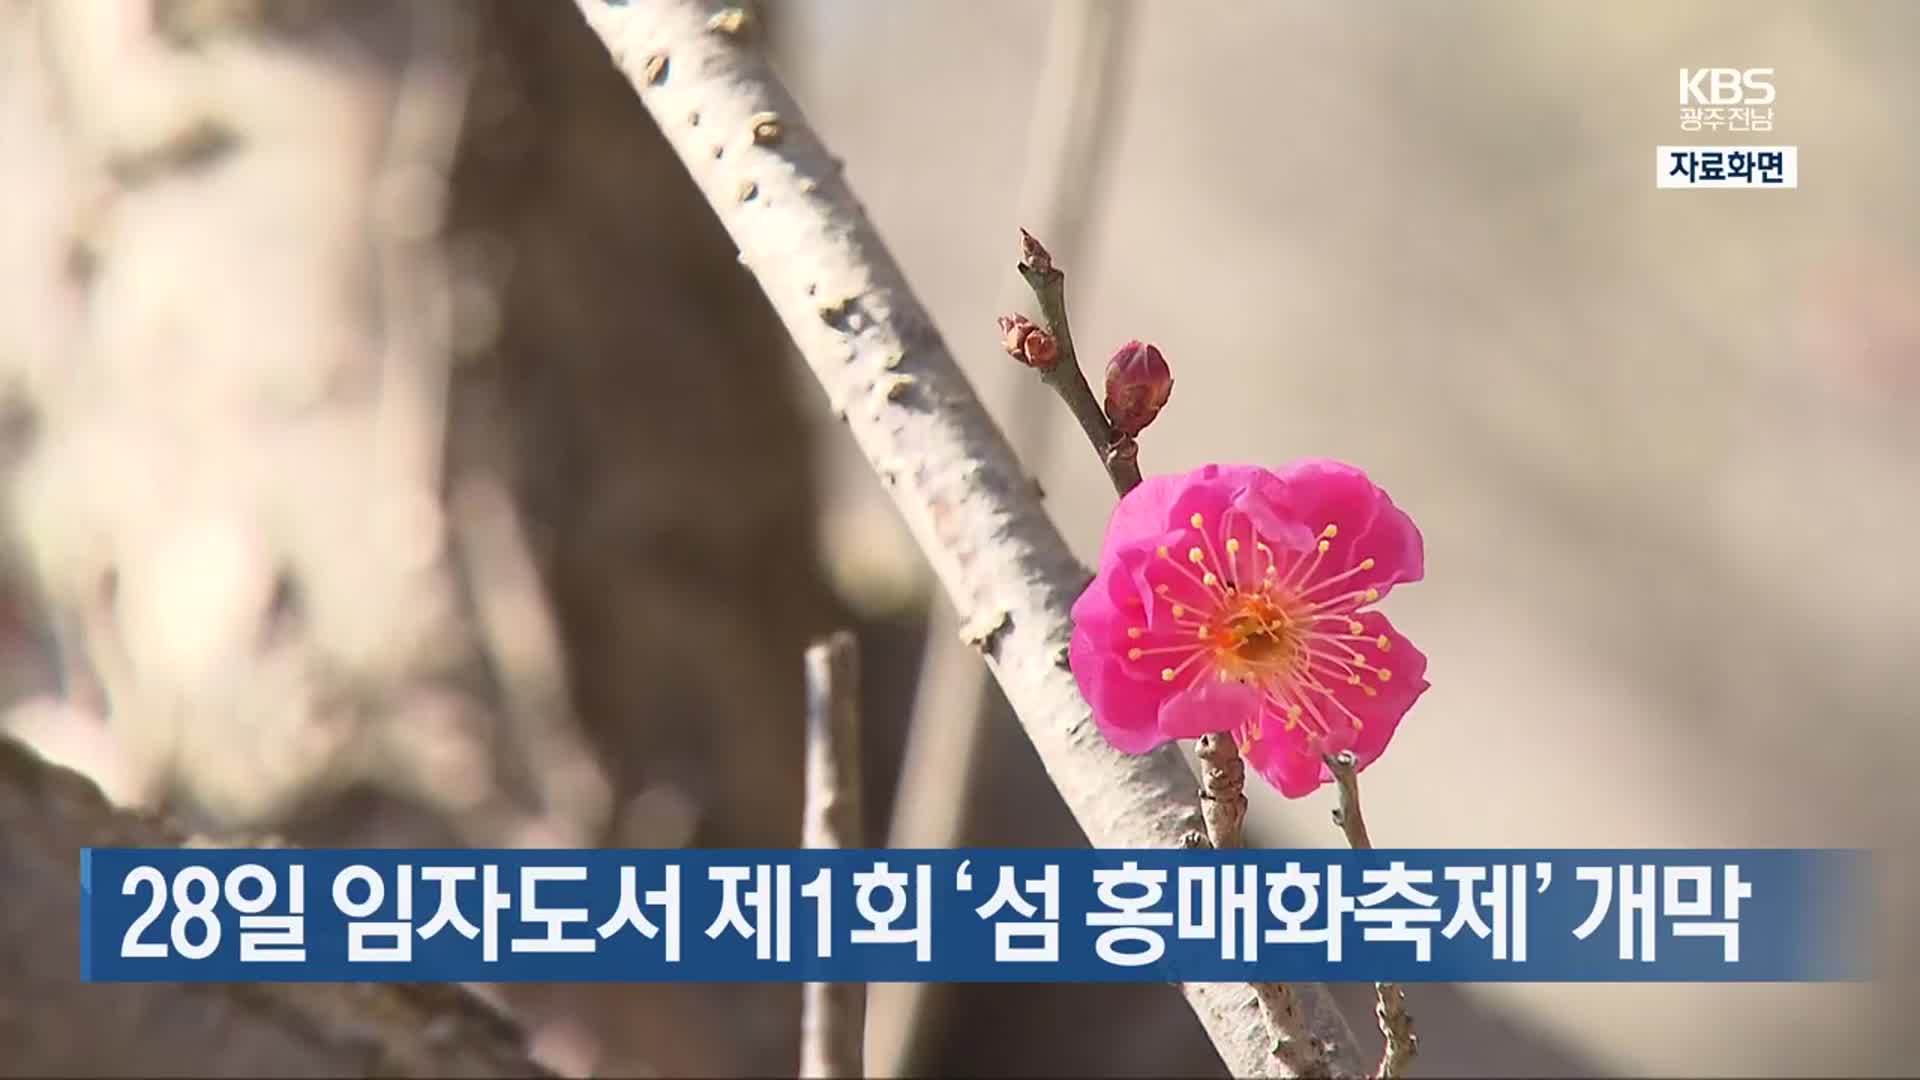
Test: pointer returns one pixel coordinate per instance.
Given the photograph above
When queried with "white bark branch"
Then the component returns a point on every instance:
(949, 469)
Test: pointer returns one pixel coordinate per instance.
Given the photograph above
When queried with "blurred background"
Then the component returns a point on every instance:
(396, 454)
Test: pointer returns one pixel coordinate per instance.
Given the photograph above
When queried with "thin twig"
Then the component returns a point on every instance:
(1294, 1047)
(1223, 807)
(833, 1016)
(1390, 1008)
(1348, 815)
(1223, 790)
(1119, 454)
(948, 468)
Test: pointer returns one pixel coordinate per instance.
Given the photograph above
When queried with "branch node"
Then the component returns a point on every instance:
(656, 68)
(730, 21)
(766, 128)
(980, 629)
(895, 387)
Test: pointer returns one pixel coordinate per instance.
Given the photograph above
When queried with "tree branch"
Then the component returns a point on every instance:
(948, 468)
(1396, 1026)
(833, 1016)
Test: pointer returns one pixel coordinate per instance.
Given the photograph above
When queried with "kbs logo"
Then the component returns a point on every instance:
(1726, 86)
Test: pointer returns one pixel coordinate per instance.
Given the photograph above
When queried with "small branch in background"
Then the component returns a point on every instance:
(1396, 1025)
(833, 1017)
(1060, 366)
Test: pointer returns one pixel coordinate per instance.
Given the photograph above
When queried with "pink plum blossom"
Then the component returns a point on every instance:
(1240, 599)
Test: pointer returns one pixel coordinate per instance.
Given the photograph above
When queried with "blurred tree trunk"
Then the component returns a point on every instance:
(214, 372)
(53, 1025)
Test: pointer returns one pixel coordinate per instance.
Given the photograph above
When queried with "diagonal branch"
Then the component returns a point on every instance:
(948, 468)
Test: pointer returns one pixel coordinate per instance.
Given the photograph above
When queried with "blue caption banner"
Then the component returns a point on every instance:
(278, 915)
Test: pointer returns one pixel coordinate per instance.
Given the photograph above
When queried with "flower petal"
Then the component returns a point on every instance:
(1210, 706)
(1283, 759)
(1149, 509)
(1126, 710)
(1316, 493)
(1382, 713)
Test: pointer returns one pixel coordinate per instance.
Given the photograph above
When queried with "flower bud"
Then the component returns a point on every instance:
(1028, 343)
(1034, 255)
(1138, 384)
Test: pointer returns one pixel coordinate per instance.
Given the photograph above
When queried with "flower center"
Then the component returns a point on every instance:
(1257, 641)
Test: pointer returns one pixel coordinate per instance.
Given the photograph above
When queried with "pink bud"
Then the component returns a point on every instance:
(1028, 343)
(1138, 384)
